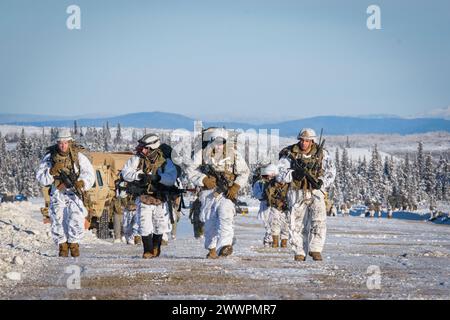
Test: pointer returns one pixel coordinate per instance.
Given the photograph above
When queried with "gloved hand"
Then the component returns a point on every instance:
(54, 171)
(79, 184)
(233, 192)
(149, 178)
(297, 175)
(144, 178)
(209, 182)
(154, 178)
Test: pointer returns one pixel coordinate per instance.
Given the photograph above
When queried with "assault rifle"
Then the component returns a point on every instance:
(222, 182)
(69, 180)
(137, 188)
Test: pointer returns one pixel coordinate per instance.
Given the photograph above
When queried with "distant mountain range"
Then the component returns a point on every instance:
(441, 113)
(332, 125)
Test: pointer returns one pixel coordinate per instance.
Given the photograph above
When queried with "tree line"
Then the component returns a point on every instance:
(416, 179)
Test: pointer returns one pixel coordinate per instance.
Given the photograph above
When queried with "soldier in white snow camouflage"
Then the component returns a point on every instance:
(150, 170)
(221, 174)
(259, 192)
(69, 173)
(309, 170)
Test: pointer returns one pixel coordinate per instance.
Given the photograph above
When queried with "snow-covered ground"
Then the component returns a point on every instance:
(364, 258)
(25, 242)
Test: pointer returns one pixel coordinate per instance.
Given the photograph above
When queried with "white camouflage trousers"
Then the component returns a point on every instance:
(219, 220)
(265, 215)
(307, 226)
(279, 225)
(152, 219)
(67, 215)
(130, 224)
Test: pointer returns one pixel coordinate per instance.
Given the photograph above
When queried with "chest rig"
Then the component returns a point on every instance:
(69, 160)
(276, 193)
(311, 161)
(223, 169)
(150, 165)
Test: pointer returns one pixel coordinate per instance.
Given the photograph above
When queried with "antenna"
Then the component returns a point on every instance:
(320, 139)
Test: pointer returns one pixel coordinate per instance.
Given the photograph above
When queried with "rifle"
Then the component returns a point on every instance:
(222, 183)
(137, 188)
(168, 193)
(69, 180)
(299, 166)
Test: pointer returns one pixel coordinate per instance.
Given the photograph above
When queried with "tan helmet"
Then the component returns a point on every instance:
(150, 140)
(307, 134)
(64, 135)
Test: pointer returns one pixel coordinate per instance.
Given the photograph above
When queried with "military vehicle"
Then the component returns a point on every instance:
(107, 166)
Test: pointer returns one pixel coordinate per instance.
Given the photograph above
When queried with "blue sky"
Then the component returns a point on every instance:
(261, 59)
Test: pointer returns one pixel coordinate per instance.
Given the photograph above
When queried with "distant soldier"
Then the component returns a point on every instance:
(194, 216)
(174, 199)
(150, 172)
(377, 208)
(433, 211)
(130, 221)
(259, 192)
(221, 174)
(130, 224)
(69, 173)
(176, 209)
(309, 170)
(389, 211)
(276, 193)
(116, 210)
(370, 204)
(345, 209)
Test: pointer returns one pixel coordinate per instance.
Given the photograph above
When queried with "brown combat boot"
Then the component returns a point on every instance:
(276, 240)
(316, 256)
(284, 243)
(212, 254)
(226, 251)
(147, 255)
(299, 257)
(137, 240)
(157, 240)
(74, 249)
(63, 249)
(147, 242)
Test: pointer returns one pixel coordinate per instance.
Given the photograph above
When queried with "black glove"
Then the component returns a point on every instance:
(319, 184)
(297, 175)
(154, 178)
(149, 178)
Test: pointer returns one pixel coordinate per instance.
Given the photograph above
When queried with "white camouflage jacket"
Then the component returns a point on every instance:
(86, 172)
(241, 170)
(130, 171)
